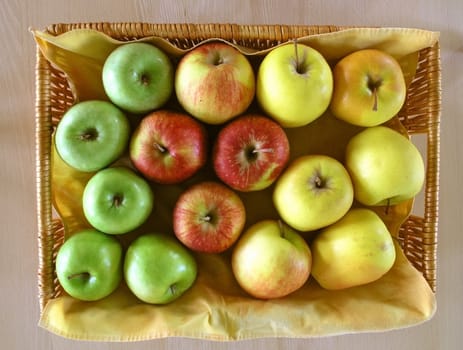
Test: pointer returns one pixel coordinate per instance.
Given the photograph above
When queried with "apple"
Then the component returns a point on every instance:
(369, 88)
(168, 147)
(89, 265)
(138, 77)
(117, 200)
(91, 135)
(385, 166)
(271, 260)
(294, 84)
(250, 152)
(356, 250)
(208, 217)
(158, 269)
(214, 82)
(313, 192)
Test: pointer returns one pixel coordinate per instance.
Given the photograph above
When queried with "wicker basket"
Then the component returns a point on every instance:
(420, 115)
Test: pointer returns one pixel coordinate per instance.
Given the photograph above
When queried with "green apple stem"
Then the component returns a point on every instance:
(89, 135)
(84, 275)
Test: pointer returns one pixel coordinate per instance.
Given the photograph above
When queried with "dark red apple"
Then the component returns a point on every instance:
(168, 147)
(208, 217)
(250, 152)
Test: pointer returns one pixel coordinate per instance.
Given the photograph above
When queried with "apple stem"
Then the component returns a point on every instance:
(282, 228)
(263, 150)
(78, 275)
(388, 204)
(117, 200)
(298, 64)
(173, 288)
(207, 218)
(375, 96)
(160, 147)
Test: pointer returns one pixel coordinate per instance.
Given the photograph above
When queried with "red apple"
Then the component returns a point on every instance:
(250, 153)
(168, 147)
(214, 82)
(208, 217)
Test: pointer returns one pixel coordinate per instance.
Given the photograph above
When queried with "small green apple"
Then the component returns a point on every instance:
(271, 260)
(91, 135)
(313, 192)
(158, 269)
(89, 265)
(385, 166)
(138, 77)
(117, 200)
(294, 84)
(356, 250)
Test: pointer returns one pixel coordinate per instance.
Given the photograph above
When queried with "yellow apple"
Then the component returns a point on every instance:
(313, 192)
(356, 250)
(385, 166)
(271, 260)
(294, 84)
(369, 88)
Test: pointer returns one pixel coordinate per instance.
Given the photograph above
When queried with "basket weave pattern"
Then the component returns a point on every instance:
(420, 115)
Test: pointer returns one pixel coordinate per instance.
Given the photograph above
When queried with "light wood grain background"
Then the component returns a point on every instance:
(18, 257)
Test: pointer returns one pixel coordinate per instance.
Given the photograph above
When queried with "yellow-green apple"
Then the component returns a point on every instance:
(356, 250)
(138, 77)
(294, 84)
(91, 135)
(385, 166)
(158, 269)
(369, 88)
(208, 217)
(250, 152)
(116, 200)
(214, 82)
(271, 260)
(168, 147)
(313, 192)
(89, 265)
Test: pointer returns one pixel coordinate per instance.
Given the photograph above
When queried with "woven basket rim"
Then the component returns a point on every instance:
(421, 229)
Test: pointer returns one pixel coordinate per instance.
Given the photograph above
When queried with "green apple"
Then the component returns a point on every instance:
(356, 250)
(158, 269)
(271, 260)
(369, 88)
(294, 84)
(313, 192)
(214, 82)
(385, 166)
(117, 200)
(91, 135)
(138, 77)
(89, 265)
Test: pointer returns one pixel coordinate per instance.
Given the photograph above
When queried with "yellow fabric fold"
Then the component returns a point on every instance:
(216, 308)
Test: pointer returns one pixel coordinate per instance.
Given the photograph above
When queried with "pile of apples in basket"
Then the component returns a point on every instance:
(214, 85)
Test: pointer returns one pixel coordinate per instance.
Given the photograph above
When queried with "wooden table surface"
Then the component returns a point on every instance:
(18, 258)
